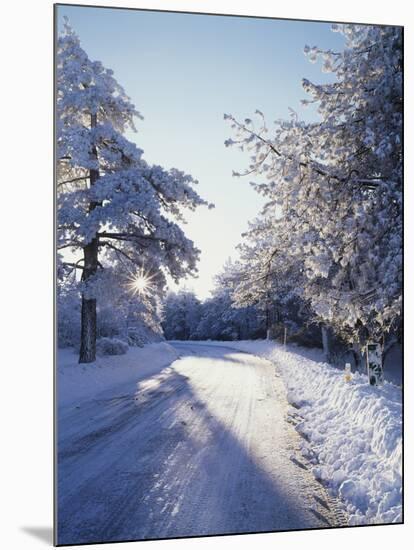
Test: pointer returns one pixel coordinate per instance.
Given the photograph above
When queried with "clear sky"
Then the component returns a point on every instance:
(183, 72)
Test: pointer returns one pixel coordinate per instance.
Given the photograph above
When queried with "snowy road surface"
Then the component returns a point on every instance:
(201, 447)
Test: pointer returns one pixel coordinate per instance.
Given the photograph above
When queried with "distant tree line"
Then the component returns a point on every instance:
(220, 317)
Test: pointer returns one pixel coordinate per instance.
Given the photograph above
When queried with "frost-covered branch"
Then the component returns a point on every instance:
(334, 189)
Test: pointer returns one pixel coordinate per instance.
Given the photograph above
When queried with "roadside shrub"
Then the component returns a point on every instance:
(111, 346)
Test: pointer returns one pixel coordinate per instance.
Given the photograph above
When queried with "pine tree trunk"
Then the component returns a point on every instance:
(87, 352)
(326, 343)
(267, 322)
(357, 354)
(88, 314)
(88, 336)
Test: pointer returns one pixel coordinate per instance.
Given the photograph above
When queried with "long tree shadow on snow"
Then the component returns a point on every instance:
(163, 468)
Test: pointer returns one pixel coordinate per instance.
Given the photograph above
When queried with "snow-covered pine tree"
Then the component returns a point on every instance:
(181, 315)
(262, 268)
(338, 183)
(109, 198)
(220, 318)
(271, 279)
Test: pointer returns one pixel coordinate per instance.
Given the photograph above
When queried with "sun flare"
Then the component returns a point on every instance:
(140, 283)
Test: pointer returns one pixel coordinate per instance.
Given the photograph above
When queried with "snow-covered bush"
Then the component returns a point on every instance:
(111, 346)
(68, 319)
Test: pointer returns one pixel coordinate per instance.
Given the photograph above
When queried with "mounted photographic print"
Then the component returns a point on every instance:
(228, 274)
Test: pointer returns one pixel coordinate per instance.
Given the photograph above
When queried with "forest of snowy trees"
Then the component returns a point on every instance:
(323, 257)
(327, 247)
(185, 317)
(222, 317)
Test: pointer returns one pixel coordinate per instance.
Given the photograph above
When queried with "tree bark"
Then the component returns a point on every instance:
(326, 343)
(267, 317)
(88, 338)
(87, 352)
(357, 354)
(88, 313)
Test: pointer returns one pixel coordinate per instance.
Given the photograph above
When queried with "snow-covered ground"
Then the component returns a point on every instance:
(198, 447)
(352, 431)
(76, 383)
(178, 439)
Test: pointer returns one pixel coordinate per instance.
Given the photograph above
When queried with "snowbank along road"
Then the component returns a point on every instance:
(201, 447)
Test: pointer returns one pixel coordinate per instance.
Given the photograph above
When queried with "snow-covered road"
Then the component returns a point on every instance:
(201, 447)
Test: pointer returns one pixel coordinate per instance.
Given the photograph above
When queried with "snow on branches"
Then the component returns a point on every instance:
(113, 207)
(337, 184)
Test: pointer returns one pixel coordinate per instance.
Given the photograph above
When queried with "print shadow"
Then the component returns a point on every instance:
(45, 534)
(165, 468)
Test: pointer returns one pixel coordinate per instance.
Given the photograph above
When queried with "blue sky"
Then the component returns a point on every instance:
(183, 72)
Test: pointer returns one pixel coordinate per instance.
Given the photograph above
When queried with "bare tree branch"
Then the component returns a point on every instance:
(72, 180)
(131, 236)
(118, 250)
